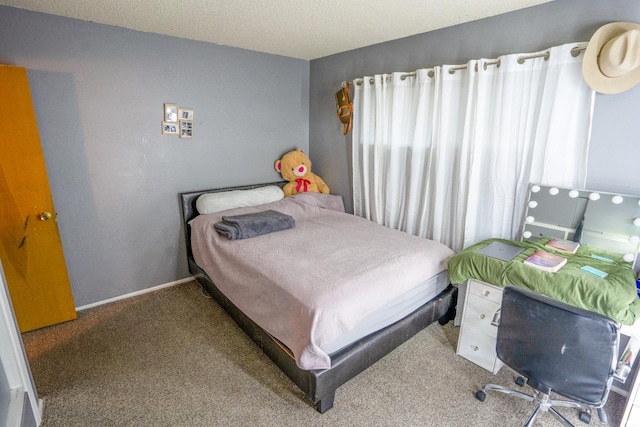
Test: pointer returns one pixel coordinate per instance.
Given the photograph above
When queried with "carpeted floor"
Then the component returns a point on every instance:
(174, 358)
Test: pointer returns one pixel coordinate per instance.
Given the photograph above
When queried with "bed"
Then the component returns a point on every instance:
(365, 309)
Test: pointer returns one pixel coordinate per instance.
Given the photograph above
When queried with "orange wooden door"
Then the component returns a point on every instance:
(30, 247)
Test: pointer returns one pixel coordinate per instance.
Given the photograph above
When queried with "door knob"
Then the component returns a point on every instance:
(44, 216)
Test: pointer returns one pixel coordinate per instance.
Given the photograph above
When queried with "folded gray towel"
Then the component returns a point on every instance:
(253, 224)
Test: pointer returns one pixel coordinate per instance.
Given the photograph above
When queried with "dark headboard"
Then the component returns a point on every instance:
(189, 211)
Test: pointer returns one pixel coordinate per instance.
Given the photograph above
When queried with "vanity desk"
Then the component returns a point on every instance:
(607, 226)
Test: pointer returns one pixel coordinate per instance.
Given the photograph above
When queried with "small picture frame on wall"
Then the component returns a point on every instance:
(171, 113)
(186, 129)
(186, 113)
(170, 128)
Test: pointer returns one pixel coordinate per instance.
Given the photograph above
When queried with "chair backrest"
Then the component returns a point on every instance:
(557, 346)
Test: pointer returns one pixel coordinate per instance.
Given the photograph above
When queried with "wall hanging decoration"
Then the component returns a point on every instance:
(178, 121)
(612, 61)
(185, 113)
(186, 129)
(171, 113)
(169, 128)
(344, 106)
(186, 116)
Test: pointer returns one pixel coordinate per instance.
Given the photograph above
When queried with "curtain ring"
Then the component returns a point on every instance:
(575, 52)
(496, 63)
(452, 70)
(544, 55)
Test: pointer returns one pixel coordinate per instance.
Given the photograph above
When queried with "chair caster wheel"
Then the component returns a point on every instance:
(480, 395)
(520, 381)
(585, 417)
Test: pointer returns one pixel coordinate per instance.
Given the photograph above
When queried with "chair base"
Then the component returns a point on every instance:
(544, 404)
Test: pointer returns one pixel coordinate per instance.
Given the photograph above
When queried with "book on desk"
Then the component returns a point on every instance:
(561, 245)
(545, 261)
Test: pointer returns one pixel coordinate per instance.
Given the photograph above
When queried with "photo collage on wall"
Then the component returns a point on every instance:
(178, 121)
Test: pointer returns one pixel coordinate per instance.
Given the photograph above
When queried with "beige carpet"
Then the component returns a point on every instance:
(174, 358)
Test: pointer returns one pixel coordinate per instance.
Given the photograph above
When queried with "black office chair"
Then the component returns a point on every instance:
(558, 348)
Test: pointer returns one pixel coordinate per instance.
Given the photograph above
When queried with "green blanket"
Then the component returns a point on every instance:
(614, 296)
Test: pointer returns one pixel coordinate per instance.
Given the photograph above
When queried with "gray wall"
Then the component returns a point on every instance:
(615, 146)
(98, 93)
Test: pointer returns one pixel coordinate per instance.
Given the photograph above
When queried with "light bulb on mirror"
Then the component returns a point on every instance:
(628, 257)
(553, 191)
(526, 234)
(636, 222)
(533, 204)
(536, 188)
(634, 240)
(616, 200)
(529, 219)
(574, 193)
(594, 196)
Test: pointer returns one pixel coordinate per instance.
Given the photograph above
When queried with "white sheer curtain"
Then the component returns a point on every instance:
(447, 153)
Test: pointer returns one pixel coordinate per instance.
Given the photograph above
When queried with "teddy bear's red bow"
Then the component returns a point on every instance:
(302, 183)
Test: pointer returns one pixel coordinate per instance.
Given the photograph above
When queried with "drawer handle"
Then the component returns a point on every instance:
(496, 318)
(482, 316)
(475, 348)
(486, 293)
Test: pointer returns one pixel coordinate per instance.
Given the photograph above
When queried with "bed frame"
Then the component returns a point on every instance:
(320, 385)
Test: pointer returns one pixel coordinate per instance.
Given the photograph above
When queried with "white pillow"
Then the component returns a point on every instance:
(217, 202)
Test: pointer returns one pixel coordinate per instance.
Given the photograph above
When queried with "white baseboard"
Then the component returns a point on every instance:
(133, 294)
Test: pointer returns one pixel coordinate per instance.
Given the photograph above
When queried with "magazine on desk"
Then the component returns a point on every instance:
(545, 261)
(563, 245)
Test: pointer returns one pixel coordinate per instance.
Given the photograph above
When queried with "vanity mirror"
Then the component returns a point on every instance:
(609, 221)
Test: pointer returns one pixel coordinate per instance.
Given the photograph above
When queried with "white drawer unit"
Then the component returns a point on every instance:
(477, 339)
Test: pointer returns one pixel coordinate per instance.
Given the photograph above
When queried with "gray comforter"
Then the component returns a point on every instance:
(308, 285)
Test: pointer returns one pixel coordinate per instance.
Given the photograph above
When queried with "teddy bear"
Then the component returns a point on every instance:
(295, 167)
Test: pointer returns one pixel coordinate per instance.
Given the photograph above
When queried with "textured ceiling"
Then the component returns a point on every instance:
(306, 29)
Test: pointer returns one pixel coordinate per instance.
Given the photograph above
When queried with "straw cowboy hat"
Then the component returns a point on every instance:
(611, 62)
